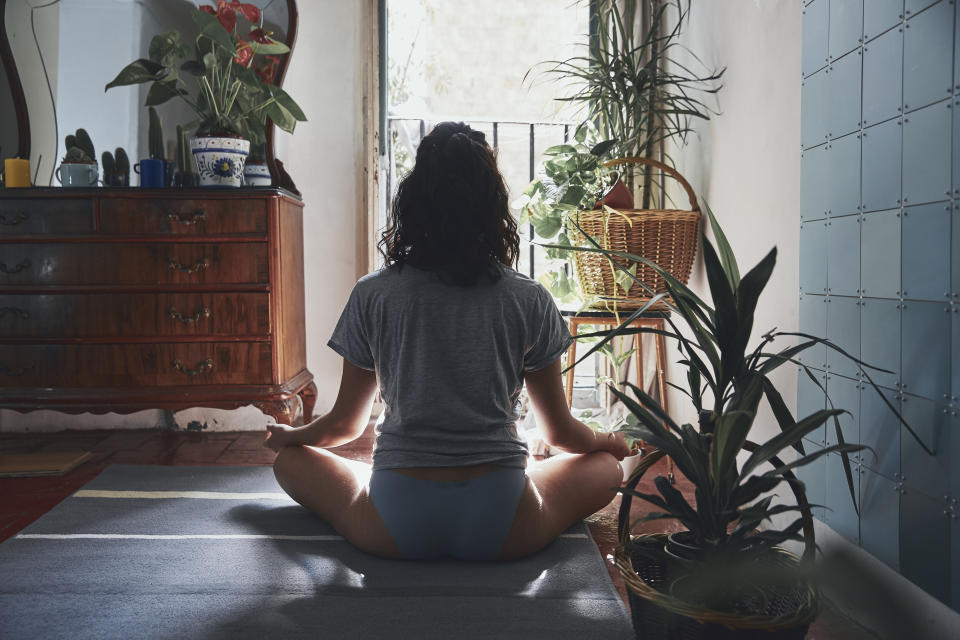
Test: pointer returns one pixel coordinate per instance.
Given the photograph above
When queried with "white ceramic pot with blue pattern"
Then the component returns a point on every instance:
(220, 159)
(257, 174)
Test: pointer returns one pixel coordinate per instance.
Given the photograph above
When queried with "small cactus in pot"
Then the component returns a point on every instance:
(78, 167)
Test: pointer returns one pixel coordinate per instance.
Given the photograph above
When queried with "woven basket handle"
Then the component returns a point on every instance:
(653, 163)
(623, 518)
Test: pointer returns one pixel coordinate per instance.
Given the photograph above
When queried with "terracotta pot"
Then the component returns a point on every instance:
(618, 197)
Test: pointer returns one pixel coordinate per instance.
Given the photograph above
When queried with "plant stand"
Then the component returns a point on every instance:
(652, 319)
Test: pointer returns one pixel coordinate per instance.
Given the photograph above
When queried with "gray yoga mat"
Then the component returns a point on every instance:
(273, 570)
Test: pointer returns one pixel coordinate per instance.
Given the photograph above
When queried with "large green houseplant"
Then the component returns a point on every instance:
(634, 95)
(226, 79)
(630, 81)
(722, 560)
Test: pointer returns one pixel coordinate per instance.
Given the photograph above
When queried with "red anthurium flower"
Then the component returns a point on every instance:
(226, 15)
(268, 71)
(248, 11)
(259, 35)
(244, 52)
(208, 9)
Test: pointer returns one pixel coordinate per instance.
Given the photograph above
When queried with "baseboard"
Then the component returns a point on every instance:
(878, 598)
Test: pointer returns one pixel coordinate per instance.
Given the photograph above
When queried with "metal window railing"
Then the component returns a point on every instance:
(518, 143)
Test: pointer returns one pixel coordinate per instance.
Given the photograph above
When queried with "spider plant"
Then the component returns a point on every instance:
(630, 81)
(726, 382)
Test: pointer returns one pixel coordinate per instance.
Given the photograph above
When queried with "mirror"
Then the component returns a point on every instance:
(59, 54)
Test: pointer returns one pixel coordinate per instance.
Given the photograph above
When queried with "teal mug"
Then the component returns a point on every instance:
(77, 174)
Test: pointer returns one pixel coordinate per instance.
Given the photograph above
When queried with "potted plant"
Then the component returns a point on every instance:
(723, 576)
(116, 168)
(572, 177)
(234, 94)
(78, 167)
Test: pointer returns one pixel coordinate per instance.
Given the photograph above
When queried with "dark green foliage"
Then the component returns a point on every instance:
(227, 97)
(155, 135)
(728, 381)
(123, 162)
(79, 148)
(77, 155)
(181, 150)
(630, 83)
(85, 143)
(108, 163)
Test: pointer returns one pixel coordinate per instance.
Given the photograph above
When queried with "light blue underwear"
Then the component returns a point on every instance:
(466, 520)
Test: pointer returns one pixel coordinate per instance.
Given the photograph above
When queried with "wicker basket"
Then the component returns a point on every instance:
(668, 237)
(658, 615)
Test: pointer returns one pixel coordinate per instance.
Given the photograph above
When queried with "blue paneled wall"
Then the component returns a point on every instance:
(880, 272)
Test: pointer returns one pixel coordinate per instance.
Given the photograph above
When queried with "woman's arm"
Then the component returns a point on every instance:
(560, 429)
(345, 422)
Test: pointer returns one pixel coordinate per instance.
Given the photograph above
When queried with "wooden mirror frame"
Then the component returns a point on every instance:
(279, 176)
(16, 88)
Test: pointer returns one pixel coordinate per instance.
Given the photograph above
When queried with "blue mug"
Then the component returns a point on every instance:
(151, 173)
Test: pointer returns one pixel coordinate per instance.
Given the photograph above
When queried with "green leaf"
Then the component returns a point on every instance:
(602, 148)
(211, 28)
(559, 149)
(281, 117)
(723, 248)
(677, 504)
(780, 411)
(573, 196)
(133, 73)
(548, 226)
(810, 457)
(274, 47)
(785, 439)
(160, 92)
(192, 67)
(288, 103)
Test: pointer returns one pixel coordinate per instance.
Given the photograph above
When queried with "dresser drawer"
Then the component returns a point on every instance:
(45, 217)
(118, 316)
(134, 216)
(133, 264)
(134, 365)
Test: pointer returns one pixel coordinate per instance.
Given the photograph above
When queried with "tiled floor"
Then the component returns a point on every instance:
(23, 500)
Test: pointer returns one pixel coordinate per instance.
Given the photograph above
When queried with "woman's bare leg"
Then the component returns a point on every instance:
(337, 490)
(560, 492)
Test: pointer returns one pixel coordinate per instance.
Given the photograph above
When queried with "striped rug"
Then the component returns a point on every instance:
(221, 552)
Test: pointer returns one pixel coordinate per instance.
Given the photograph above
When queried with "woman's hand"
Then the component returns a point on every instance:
(616, 443)
(278, 436)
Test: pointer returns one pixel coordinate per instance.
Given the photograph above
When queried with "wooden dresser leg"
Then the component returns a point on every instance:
(283, 411)
(309, 397)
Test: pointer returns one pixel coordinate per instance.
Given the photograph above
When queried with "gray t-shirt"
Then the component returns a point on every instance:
(449, 361)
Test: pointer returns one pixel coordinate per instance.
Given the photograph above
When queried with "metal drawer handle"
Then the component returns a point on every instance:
(14, 311)
(206, 365)
(176, 315)
(200, 265)
(17, 269)
(187, 218)
(15, 220)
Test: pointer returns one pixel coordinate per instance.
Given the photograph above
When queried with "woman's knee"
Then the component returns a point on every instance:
(606, 473)
(286, 464)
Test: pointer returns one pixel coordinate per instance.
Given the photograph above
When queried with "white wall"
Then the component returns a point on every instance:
(324, 157)
(745, 162)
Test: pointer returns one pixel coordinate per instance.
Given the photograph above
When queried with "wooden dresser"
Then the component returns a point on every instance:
(129, 299)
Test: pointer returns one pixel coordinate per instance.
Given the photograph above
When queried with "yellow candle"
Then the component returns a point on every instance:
(17, 172)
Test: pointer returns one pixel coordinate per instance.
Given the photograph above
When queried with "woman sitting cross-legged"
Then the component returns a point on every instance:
(450, 332)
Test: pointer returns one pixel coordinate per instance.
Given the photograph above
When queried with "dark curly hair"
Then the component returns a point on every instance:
(450, 214)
